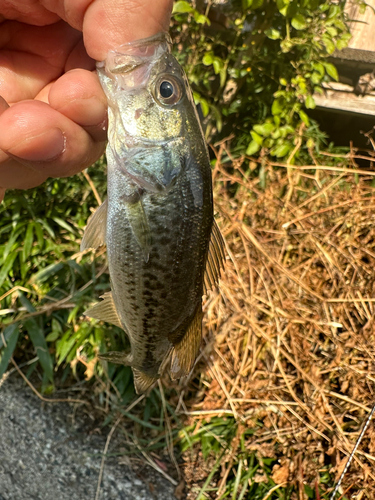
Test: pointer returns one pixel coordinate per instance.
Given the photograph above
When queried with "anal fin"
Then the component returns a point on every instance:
(105, 310)
(215, 259)
(185, 352)
(95, 232)
(142, 382)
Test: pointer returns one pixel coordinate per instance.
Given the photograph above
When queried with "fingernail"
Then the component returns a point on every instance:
(44, 147)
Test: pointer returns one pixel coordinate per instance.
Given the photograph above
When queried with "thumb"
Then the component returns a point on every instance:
(110, 23)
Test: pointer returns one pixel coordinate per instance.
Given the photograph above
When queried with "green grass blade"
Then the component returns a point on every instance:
(37, 338)
(10, 333)
(210, 476)
(29, 240)
(7, 266)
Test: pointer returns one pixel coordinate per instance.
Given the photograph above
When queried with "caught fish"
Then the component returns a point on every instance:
(164, 248)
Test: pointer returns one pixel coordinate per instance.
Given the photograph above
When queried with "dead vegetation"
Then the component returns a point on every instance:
(290, 337)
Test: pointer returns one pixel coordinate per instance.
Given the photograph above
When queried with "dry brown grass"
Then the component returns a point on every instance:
(290, 337)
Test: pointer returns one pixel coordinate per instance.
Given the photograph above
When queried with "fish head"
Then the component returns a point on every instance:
(149, 98)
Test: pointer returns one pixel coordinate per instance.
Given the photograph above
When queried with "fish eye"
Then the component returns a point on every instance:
(168, 90)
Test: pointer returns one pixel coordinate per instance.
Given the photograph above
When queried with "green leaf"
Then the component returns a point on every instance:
(48, 271)
(304, 117)
(11, 333)
(208, 58)
(257, 138)
(39, 342)
(309, 102)
(343, 41)
(7, 266)
(198, 99)
(277, 107)
(39, 234)
(29, 239)
(200, 18)
(265, 129)
(223, 77)
(252, 148)
(280, 151)
(51, 337)
(182, 7)
(272, 34)
(318, 66)
(64, 346)
(298, 22)
(329, 45)
(218, 118)
(315, 78)
(331, 71)
(64, 224)
(217, 64)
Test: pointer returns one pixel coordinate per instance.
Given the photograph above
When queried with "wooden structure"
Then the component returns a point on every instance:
(355, 92)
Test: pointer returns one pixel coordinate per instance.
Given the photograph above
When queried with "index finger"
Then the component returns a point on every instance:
(107, 24)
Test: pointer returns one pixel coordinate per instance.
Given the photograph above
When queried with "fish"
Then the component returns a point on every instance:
(164, 248)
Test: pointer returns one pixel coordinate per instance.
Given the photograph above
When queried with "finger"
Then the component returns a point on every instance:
(78, 95)
(40, 137)
(103, 21)
(14, 175)
(21, 11)
(33, 56)
(3, 104)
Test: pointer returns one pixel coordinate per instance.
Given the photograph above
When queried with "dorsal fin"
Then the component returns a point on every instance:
(215, 259)
(95, 232)
(142, 382)
(105, 310)
(185, 352)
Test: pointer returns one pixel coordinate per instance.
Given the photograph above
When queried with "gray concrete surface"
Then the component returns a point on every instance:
(44, 455)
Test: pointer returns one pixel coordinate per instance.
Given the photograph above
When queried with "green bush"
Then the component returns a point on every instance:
(254, 66)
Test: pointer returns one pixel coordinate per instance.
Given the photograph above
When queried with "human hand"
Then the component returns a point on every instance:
(52, 107)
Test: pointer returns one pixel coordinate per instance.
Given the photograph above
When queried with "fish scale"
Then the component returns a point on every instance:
(157, 221)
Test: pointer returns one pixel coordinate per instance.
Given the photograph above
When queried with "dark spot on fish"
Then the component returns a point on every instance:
(150, 276)
(138, 113)
(158, 286)
(164, 240)
(159, 267)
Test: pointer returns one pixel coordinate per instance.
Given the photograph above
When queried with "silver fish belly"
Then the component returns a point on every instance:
(163, 246)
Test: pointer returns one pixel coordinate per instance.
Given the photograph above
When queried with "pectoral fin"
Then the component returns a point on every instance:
(105, 310)
(186, 351)
(215, 259)
(117, 357)
(142, 382)
(140, 227)
(95, 232)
